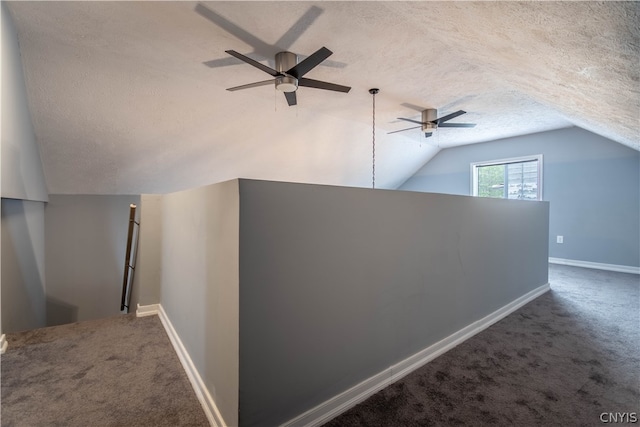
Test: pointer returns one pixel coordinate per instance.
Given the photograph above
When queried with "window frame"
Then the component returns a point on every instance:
(522, 159)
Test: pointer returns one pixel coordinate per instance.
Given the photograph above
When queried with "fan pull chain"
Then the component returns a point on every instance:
(373, 92)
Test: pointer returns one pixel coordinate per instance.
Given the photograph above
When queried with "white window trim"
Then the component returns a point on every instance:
(475, 165)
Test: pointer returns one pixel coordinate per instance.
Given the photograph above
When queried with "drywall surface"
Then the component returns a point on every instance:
(337, 284)
(148, 267)
(199, 288)
(592, 184)
(22, 174)
(23, 265)
(85, 245)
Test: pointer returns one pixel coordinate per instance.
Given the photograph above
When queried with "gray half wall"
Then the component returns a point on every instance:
(592, 184)
(338, 284)
(199, 284)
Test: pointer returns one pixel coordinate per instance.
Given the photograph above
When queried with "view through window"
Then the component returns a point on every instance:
(519, 178)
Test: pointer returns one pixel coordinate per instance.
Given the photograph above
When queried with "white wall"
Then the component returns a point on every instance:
(85, 245)
(23, 265)
(199, 289)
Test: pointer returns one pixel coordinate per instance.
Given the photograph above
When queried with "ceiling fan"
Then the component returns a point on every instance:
(289, 73)
(430, 122)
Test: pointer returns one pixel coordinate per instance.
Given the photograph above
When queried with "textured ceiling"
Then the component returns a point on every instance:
(122, 102)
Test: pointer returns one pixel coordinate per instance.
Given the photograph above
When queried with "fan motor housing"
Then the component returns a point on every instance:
(284, 62)
(429, 116)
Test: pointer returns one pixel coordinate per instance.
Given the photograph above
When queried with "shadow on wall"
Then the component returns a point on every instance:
(60, 313)
(23, 293)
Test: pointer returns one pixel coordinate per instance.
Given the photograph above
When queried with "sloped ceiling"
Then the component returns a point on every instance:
(122, 102)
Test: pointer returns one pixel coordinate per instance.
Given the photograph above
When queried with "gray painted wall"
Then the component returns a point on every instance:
(85, 244)
(148, 268)
(199, 289)
(592, 184)
(23, 265)
(22, 175)
(337, 284)
(21, 178)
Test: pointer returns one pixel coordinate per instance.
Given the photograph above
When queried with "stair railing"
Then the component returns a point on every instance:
(129, 261)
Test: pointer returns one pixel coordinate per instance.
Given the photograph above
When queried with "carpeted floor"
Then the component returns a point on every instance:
(120, 371)
(562, 360)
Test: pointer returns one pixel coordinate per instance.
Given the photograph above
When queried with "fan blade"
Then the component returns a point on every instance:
(258, 45)
(256, 64)
(449, 117)
(412, 121)
(297, 29)
(308, 64)
(291, 98)
(457, 125)
(402, 130)
(428, 134)
(322, 85)
(250, 85)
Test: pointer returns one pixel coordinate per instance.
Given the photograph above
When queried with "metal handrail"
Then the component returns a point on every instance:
(128, 264)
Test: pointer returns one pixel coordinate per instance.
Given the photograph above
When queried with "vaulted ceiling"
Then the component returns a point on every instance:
(122, 101)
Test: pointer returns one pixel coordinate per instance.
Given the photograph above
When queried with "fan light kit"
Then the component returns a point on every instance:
(289, 73)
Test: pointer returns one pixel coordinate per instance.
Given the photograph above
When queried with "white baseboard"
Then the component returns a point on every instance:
(596, 265)
(349, 398)
(147, 310)
(207, 402)
(3, 343)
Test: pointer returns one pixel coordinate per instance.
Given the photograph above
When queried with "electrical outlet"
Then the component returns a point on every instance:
(560, 239)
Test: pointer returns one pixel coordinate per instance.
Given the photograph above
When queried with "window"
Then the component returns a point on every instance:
(518, 178)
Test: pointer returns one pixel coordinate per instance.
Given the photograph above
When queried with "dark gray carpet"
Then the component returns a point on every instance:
(120, 371)
(561, 360)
